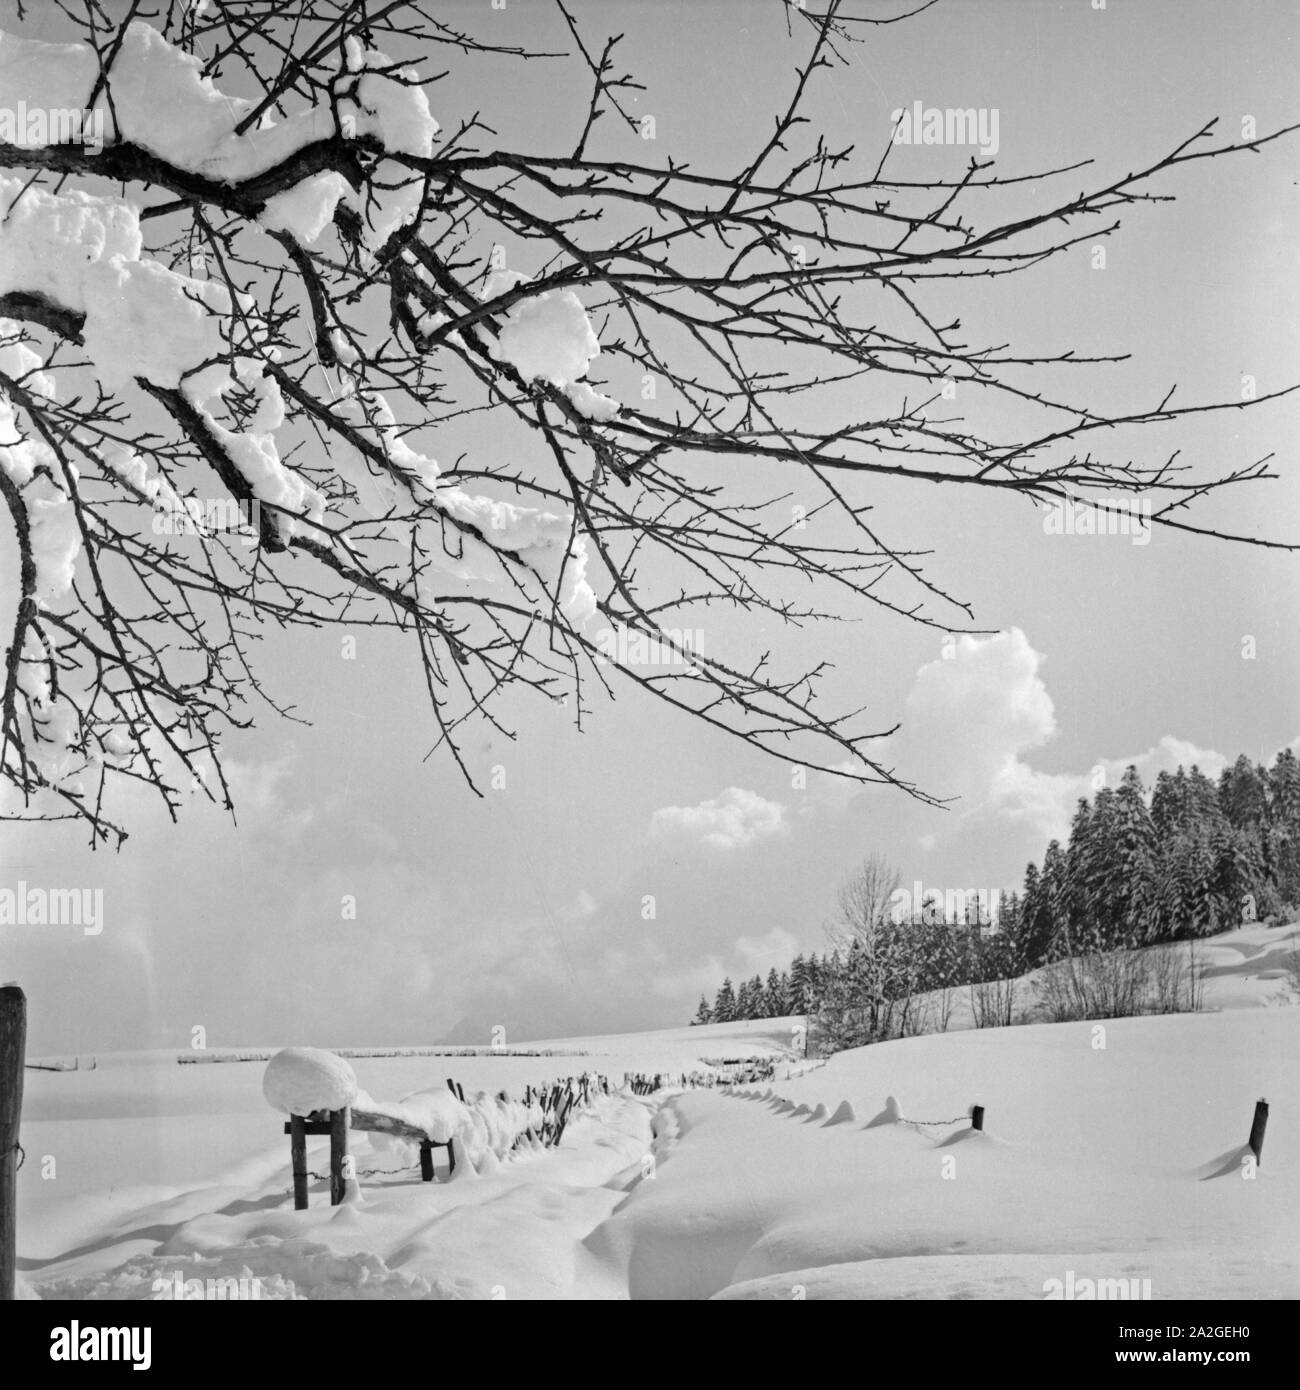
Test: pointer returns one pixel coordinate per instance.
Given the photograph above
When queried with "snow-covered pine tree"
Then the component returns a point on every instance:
(775, 993)
(801, 991)
(1078, 905)
(1011, 931)
(759, 995)
(1133, 864)
(1053, 886)
(1037, 924)
(724, 1006)
(1284, 802)
(1169, 804)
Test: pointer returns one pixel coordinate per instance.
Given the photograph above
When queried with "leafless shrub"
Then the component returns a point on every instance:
(993, 1002)
(1122, 984)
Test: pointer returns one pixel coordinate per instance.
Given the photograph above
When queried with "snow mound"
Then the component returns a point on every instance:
(299, 1080)
(892, 1114)
(844, 1114)
(971, 1136)
(819, 1112)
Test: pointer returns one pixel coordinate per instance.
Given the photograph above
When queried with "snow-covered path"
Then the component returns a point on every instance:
(750, 1202)
(515, 1233)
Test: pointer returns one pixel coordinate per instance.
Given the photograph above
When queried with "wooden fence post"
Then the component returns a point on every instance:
(1257, 1127)
(339, 1120)
(977, 1117)
(426, 1161)
(298, 1160)
(13, 1043)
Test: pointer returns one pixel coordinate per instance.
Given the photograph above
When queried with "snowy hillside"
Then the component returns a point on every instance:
(1109, 1151)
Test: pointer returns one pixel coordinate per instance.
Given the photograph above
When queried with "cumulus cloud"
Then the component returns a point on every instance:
(731, 821)
(970, 715)
(975, 715)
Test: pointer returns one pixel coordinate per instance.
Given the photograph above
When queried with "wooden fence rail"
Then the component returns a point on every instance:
(557, 1100)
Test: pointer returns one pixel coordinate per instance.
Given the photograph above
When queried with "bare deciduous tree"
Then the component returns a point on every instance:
(314, 293)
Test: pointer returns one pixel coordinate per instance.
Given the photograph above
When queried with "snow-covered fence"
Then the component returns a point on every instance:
(744, 1071)
(645, 1084)
(729, 1071)
(318, 1091)
(61, 1064)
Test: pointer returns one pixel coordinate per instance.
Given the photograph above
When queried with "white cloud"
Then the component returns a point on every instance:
(736, 818)
(973, 716)
(970, 716)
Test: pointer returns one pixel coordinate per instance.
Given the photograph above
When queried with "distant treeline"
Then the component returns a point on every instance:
(1193, 859)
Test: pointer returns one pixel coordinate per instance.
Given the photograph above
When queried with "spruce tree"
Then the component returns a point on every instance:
(1010, 929)
(1037, 925)
(1284, 825)
(814, 980)
(1169, 805)
(757, 1004)
(800, 988)
(1134, 864)
(1053, 888)
(724, 1006)
(774, 1000)
(1075, 894)
(1243, 795)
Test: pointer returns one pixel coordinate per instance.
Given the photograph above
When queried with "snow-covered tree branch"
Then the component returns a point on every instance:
(243, 310)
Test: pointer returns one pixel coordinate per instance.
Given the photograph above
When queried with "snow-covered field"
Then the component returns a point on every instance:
(1100, 1162)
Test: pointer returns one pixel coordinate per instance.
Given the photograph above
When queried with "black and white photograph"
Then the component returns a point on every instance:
(649, 653)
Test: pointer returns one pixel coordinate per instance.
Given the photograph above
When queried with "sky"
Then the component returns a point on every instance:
(611, 876)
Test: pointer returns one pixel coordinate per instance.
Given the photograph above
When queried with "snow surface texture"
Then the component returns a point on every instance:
(299, 1080)
(1114, 1162)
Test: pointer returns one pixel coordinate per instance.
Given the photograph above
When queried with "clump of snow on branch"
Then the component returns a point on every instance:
(145, 322)
(82, 253)
(306, 209)
(149, 75)
(253, 450)
(588, 401)
(373, 100)
(30, 464)
(488, 532)
(50, 725)
(549, 337)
